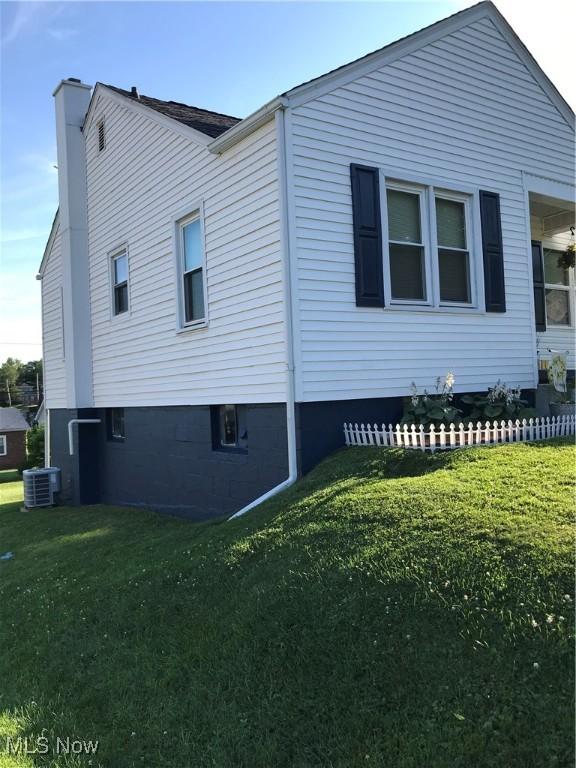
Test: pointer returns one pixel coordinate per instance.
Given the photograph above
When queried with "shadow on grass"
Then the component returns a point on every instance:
(9, 476)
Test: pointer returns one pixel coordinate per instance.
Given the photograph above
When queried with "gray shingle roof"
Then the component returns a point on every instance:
(11, 420)
(211, 123)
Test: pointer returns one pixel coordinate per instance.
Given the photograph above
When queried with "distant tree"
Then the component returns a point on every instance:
(30, 373)
(9, 375)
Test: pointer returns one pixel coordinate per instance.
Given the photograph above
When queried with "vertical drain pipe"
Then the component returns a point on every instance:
(71, 432)
(279, 117)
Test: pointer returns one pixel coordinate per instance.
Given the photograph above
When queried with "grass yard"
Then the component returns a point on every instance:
(393, 609)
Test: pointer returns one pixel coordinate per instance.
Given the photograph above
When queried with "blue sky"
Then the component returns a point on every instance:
(230, 57)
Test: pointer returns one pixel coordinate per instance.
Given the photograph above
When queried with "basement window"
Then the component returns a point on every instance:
(116, 430)
(101, 128)
(229, 430)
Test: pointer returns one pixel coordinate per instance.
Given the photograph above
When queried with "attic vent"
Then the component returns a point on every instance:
(101, 136)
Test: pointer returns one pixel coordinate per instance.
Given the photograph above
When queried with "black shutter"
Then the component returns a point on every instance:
(539, 288)
(367, 236)
(493, 252)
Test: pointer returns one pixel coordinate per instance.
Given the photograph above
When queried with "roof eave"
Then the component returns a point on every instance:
(247, 126)
(486, 9)
(158, 117)
(49, 242)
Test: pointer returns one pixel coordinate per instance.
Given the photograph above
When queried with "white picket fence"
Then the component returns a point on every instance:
(460, 435)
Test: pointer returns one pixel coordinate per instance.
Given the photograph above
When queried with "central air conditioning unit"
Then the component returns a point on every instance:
(40, 485)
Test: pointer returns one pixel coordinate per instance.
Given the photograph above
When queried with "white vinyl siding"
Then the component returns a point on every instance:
(464, 111)
(53, 351)
(147, 178)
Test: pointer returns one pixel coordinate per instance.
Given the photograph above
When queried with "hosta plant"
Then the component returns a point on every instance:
(436, 408)
(500, 403)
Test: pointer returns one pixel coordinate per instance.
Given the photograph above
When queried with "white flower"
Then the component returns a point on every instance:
(534, 623)
(449, 380)
(549, 618)
(536, 665)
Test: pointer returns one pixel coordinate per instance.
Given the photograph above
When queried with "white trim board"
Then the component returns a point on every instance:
(167, 122)
(49, 243)
(549, 187)
(372, 61)
(323, 84)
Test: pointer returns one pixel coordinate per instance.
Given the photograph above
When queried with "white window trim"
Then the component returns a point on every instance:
(113, 254)
(421, 191)
(570, 289)
(431, 187)
(193, 212)
(3, 445)
(467, 200)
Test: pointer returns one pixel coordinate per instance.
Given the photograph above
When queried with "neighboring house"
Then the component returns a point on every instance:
(223, 294)
(13, 429)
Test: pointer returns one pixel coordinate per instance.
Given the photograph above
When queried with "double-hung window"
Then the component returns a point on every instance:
(557, 286)
(406, 245)
(120, 282)
(191, 263)
(3, 445)
(429, 255)
(453, 253)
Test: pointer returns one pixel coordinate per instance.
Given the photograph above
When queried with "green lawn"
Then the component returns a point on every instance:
(8, 475)
(393, 609)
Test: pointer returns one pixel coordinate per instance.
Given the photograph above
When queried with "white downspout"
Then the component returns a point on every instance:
(71, 433)
(286, 261)
(47, 451)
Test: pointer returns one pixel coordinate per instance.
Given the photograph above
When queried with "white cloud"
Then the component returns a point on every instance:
(23, 15)
(62, 34)
(19, 235)
(31, 16)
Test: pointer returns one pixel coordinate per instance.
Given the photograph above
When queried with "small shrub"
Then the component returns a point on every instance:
(435, 408)
(500, 402)
(35, 444)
